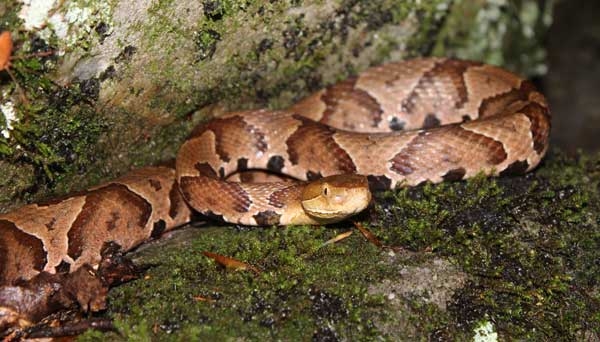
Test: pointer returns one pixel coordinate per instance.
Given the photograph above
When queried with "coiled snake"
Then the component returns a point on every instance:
(427, 120)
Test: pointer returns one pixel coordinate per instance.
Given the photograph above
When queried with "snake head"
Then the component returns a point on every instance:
(335, 198)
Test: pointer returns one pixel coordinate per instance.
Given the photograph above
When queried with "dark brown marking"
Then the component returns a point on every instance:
(63, 267)
(50, 225)
(242, 164)
(113, 220)
(517, 100)
(113, 207)
(518, 167)
(313, 143)
(455, 174)
(510, 101)
(275, 164)
(205, 169)
(540, 125)
(176, 201)
(431, 121)
(267, 218)
(278, 198)
(155, 184)
(396, 124)
(499, 103)
(158, 228)
(346, 91)
(539, 116)
(241, 202)
(232, 132)
(19, 252)
(379, 182)
(311, 175)
(445, 74)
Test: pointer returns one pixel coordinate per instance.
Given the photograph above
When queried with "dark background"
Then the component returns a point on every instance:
(572, 83)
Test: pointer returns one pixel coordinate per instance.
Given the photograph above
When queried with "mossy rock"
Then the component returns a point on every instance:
(514, 256)
(127, 80)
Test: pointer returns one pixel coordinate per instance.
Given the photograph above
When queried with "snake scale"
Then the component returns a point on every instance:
(398, 124)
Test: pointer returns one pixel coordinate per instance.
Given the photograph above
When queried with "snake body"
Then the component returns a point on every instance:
(397, 124)
(402, 123)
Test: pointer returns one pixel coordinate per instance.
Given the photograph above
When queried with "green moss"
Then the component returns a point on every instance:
(519, 238)
(525, 248)
(298, 44)
(55, 128)
(302, 288)
(9, 18)
(528, 245)
(206, 43)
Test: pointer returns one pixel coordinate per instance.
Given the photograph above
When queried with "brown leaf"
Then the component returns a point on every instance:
(337, 238)
(231, 263)
(368, 235)
(203, 299)
(6, 46)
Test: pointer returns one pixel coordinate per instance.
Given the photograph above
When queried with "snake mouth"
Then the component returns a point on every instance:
(337, 208)
(324, 213)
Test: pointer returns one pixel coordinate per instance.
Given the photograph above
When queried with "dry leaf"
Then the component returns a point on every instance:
(231, 263)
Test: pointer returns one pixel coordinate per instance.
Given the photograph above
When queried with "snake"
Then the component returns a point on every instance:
(398, 124)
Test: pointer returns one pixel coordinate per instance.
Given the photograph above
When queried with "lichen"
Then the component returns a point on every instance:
(69, 24)
(484, 332)
(8, 111)
(501, 32)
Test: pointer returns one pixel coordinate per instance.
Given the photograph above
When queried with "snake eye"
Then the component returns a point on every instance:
(325, 190)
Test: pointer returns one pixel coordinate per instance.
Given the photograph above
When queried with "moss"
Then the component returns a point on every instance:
(302, 287)
(297, 44)
(527, 242)
(520, 252)
(528, 245)
(8, 15)
(206, 43)
(55, 128)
